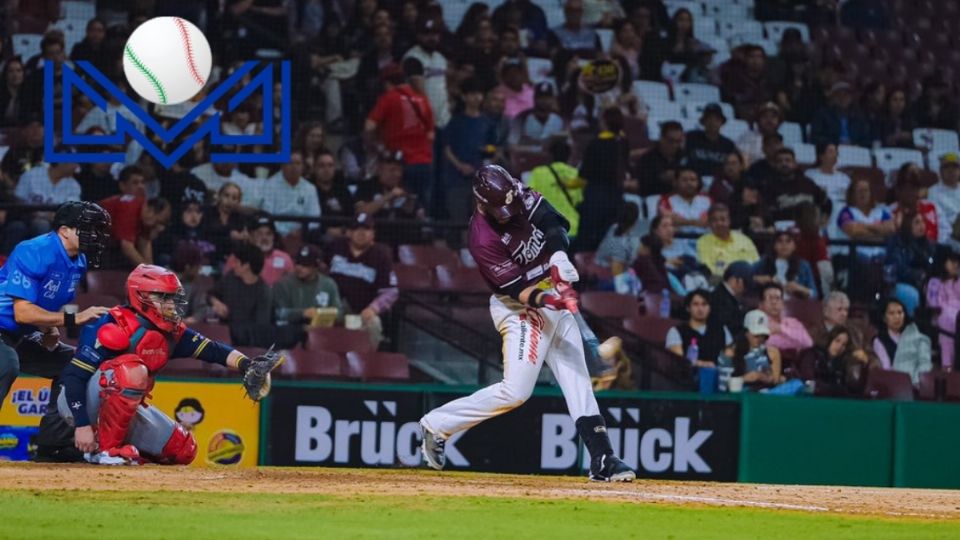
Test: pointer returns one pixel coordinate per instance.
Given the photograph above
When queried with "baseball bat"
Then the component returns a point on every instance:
(591, 344)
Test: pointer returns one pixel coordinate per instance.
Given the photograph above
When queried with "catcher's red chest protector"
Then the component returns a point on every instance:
(132, 334)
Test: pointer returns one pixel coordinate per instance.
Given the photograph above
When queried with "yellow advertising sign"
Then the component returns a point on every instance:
(225, 424)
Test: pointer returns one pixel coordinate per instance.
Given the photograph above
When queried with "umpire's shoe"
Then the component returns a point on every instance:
(432, 448)
(609, 468)
(58, 454)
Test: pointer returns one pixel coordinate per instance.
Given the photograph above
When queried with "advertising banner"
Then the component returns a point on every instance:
(26, 403)
(660, 438)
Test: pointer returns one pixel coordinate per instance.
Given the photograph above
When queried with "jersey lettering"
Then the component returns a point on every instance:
(528, 251)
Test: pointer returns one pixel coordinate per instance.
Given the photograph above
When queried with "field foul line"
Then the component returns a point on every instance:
(693, 498)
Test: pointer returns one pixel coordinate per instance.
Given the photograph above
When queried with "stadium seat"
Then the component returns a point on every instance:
(775, 30)
(650, 329)
(734, 128)
(85, 300)
(806, 310)
(891, 159)
(848, 155)
(111, 282)
(953, 386)
(304, 364)
(927, 389)
(588, 269)
(74, 30)
(461, 280)
(888, 384)
(651, 91)
(704, 28)
(874, 175)
(693, 92)
(426, 255)
(606, 37)
(27, 46)
(291, 243)
(610, 305)
(636, 132)
(377, 366)
(694, 109)
(792, 133)
(728, 27)
(806, 154)
(671, 72)
(936, 141)
(78, 10)
(338, 340)
(214, 331)
(663, 111)
(185, 367)
(413, 277)
(539, 69)
(523, 160)
(695, 8)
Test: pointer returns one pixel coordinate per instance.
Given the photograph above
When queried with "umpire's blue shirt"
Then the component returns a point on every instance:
(40, 272)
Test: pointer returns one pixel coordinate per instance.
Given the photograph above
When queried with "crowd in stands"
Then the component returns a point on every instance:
(740, 151)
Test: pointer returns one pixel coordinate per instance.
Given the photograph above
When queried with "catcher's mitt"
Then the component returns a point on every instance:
(256, 373)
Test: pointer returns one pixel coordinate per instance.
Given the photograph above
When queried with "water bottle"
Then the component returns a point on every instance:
(693, 351)
(725, 367)
(665, 304)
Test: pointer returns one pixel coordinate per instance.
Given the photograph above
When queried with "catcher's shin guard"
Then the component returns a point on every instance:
(180, 449)
(124, 381)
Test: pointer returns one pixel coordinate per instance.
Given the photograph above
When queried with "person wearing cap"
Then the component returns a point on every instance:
(263, 234)
(767, 122)
(288, 193)
(838, 123)
(786, 333)
(657, 167)
(945, 194)
(386, 197)
(726, 299)
(722, 246)
(38, 279)
(363, 270)
(706, 148)
(783, 266)
(537, 125)
(298, 296)
(573, 35)
(466, 136)
(137, 222)
(754, 359)
(434, 68)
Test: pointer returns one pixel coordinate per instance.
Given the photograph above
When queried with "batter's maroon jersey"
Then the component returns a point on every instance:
(514, 253)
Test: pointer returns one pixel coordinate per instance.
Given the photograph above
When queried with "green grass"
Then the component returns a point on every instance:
(107, 515)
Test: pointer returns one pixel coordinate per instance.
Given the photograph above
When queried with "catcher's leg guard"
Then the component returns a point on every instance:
(123, 384)
(180, 449)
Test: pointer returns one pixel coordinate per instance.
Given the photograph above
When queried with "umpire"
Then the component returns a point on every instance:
(38, 279)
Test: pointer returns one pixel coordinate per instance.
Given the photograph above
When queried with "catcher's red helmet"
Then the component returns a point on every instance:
(497, 192)
(156, 293)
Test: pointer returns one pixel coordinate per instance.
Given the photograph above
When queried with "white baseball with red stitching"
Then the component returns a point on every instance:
(167, 60)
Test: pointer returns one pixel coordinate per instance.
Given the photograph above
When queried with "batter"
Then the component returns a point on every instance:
(518, 241)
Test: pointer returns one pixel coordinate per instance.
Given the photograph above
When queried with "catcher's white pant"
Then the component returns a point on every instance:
(530, 338)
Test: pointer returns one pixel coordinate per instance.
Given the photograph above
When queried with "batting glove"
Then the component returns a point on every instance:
(565, 269)
(554, 302)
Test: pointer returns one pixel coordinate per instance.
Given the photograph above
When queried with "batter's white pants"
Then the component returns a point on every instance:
(530, 338)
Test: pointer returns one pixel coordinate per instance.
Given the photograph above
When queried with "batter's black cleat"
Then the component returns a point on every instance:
(609, 468)
(432, 448)
(58, 454)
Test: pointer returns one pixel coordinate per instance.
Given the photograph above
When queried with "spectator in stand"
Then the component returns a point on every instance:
(604, 170)
(382, 54)
(786, 333)
(682, 47)
(663, 261)
(935, 108)
(872, 107)
(729, 182)
(946, 194)
(764, 171)
(25, 154)
(518, 94)
(619, 249)
(526, 16)
(215, 175)
(943, 297)
(242, 300)
(133, 181)
(560, 184)
(657, 167)
(909, 196)
(899, 344)
(434, 68)
(466, 137)
(311, 140)
(910, 256)
(93, 48)
(862, 219)
(96, 181)
(707, 149)
(601, 12)
(276, 262)
(712, 341)
(834, 183)
(288, 193)
(299, 297)
(188, 229)
(52, 184)
(686, 205)
(721, 247)
(493, 107)
(838, 123)
(646, 18)
(573, 35)
(11, 96)
(187, 262)
(754, 357)
(782, 265)
(812, 246)
(726, 305)
(747, 86)
(136, 223)
(836, 314)
(225, 224)
(386, 198)
(405, 122)
(335, 199)
(538, 125)
(797, 92)
(791, 189)
(627, 44)
(837, 370)
(753, 143)
(895, 126)
(953, 242)
(364, 274)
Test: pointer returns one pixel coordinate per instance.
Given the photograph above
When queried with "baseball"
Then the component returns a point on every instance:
(167, 60)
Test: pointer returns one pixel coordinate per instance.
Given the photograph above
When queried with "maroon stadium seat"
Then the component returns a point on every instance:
(610, 305)
(522, 161)
(927, 390)
(85, 300)
(214, 331)
(588, 269)
(291, 243)
(429, 256)
(806, 310)
(304, 364)
(953, 386)
(888, 384)
(464, 280)
(377, 366)
(338, 340)
(649, 328)
(112, 282)
(185, 367)
(413, 277)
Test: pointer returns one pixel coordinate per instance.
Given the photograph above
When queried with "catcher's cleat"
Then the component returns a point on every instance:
(432, 448)
(58, 454)
(609, 468)
(121, 455)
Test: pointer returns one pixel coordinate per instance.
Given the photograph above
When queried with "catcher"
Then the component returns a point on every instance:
(106, 384)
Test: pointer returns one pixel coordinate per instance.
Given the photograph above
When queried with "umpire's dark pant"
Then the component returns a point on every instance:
(23, 355)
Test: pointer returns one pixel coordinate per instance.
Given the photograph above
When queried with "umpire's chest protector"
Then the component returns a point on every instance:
(133, 334)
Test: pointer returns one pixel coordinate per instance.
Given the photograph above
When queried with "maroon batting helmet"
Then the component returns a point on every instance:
(497, 192)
